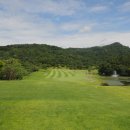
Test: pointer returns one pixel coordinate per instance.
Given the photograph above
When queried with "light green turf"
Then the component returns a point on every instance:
(61, 99)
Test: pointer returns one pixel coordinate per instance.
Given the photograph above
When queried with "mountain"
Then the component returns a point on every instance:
(42, 55)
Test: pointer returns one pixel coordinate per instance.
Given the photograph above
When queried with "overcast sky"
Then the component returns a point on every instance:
(65, 23)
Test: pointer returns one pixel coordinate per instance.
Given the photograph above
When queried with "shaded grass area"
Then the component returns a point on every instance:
(61, 99)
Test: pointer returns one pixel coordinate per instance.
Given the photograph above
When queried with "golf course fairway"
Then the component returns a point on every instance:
(63, 99)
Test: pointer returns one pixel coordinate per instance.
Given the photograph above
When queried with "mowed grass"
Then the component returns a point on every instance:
(61, 99)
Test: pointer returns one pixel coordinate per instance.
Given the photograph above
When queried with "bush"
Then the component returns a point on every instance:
(1, 64)
(12, 69)
(30, 67)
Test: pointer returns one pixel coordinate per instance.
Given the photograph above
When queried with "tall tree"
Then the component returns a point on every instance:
(12, 69)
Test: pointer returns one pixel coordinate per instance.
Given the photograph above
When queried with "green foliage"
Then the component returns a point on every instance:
(12, 69)
(34, 56)
(107, 69)
(1, 64)
(30, 67)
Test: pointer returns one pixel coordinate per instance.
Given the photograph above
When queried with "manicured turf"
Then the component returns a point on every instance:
(60, 99)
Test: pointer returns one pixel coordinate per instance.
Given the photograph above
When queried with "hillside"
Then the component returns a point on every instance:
(51, 56)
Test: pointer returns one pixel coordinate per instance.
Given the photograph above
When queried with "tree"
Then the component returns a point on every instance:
(106, 69)
(44, 56)
(1, 64)
(12, 70)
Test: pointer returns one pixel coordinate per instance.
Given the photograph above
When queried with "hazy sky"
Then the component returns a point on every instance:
(65, 23)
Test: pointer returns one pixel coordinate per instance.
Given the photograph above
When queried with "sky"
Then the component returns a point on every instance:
(65, 23)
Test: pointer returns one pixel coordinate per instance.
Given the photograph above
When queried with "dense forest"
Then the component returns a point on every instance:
(31, 57)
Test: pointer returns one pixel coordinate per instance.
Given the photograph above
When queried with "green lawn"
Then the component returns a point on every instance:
(61, 99)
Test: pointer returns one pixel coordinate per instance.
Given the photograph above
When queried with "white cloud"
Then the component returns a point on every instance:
(93, 39)
(125, 7)
(79, 40)
(77, 27)
(98, 8)
(23, 21)
(70, 27)
(56, 7)
(85, 29)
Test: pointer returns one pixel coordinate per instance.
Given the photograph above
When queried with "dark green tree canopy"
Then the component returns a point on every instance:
(35, 56)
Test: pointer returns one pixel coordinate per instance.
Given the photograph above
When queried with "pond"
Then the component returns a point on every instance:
(116, 81)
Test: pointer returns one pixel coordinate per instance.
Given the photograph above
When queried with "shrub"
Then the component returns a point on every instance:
(12, 69)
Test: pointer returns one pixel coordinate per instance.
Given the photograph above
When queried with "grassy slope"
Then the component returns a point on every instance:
(59, 99)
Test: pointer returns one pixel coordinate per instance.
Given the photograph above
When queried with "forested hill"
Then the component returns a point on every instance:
(42, 55)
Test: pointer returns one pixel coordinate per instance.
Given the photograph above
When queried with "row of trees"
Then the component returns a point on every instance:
(107, 69)
(34, 56)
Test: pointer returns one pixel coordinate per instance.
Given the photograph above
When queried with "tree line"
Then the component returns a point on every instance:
(19, 60)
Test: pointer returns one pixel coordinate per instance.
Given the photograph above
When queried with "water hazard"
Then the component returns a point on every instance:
(116, 81)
